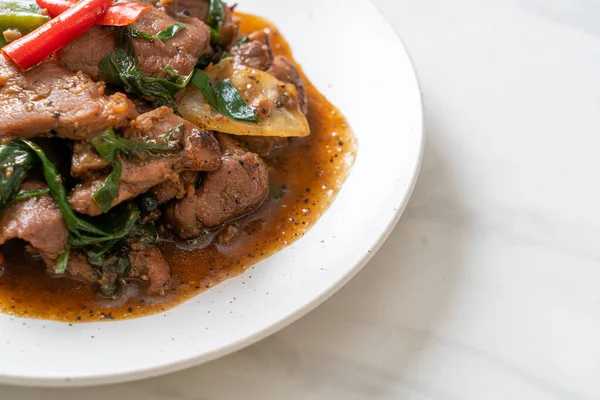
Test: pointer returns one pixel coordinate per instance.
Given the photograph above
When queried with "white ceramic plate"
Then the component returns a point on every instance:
(352, 55)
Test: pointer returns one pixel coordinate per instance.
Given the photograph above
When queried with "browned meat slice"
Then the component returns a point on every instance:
(257, 53)
(86, 160)
(177, 188)
(263, 145)
(229, 29)
(181, 8)
(37, 221)
(148, 263)
(200, 152)
(78, 267)
(180, 53)
(236, 189)
(50, 98)
(285, 71)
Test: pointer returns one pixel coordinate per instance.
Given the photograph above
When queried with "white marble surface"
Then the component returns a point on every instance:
(489, 288)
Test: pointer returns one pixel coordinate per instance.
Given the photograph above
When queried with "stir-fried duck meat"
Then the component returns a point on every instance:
(50, 98)
(285, 71)
(37, 221)
(236, 189)
(256, 52)
(181, 52)
(148, 263)
(199, 152)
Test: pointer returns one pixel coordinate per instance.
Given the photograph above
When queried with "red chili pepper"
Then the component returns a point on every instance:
(119, 14)
(38, 45)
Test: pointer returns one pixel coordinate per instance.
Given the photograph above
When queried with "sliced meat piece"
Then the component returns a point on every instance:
(37, 221)
(182, 8)
(86, 160)
(180, 53)
(285, 71)
(236, 189)
(200, 152)
(148, 263)
(51, 98)
(85, 53)
(263, 145)
(257, 53)
(77, 267)
(229, 29)
(184, 184)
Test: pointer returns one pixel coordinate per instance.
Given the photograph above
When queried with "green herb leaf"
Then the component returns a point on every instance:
(141, 35)
(122, 68)
(97, 255)
(171, 31)
(28, 194)
(109, 145)
(15, 160)
(108, 191)
(225, 55)
(114, 225)
(224, 98)
(63, 261)
(216, 16)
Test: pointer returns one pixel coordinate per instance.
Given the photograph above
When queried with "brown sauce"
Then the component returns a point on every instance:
(306, 175)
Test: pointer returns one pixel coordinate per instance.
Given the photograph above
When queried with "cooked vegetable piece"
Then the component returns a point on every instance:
(63, 260)
(122, 68)
(275, 102)
(15, 161)
(106, 194)
(224, 98)
(28, 194)
(22, 15)
(38, 45)
(171, 31)
(216, 16)
(141, 35)
(120, 14)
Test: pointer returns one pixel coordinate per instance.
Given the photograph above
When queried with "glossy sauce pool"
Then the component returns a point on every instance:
(305, 178)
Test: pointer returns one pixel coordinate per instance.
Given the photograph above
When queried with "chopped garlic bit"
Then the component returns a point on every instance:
(10, 35)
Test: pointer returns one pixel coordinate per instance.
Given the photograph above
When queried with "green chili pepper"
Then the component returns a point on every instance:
(22, 15)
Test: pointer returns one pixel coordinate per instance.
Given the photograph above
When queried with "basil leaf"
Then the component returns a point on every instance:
(230, 99)
(28, 194)
(98, 254)
(63, 261)
(109, 145)
(224, 98)
(114, 225)
(122, 68)
(216, 16)
(171, 31)
(141, 35)
(15, 160)
(108, 191)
